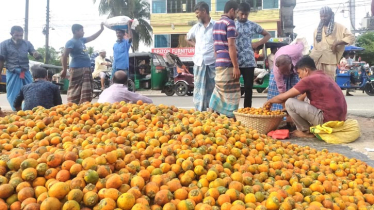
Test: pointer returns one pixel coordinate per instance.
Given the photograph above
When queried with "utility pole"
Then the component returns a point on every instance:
(47, 36)
(352, 13)
(27, 21)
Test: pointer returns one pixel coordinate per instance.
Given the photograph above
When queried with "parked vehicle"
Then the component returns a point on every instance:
(264, 83)
(181, 83)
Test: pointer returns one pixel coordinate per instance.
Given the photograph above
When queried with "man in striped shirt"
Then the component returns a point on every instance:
(226, 95)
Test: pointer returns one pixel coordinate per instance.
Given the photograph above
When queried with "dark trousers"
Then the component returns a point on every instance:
(248, 76)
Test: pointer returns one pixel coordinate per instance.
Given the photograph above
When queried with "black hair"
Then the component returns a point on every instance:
(202, 6)
(120, 30)
(345, 53)
(351, 53)
(16, 28)
(306, 62)
(120, 78)
(38, 72)
(244, 7)
(76, 27)
(230, 5)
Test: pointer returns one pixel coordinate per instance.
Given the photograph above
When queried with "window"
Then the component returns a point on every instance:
(206, 1)
(162, 41)
(255, 4)
(180, 6)
(178, 41)
(270, 4)
(159, 6)
(220, 5)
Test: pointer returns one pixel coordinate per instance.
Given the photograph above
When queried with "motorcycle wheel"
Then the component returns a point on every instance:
(131, 86)
(169, 90)
(369, 89)
(260, 90)
(96, 90)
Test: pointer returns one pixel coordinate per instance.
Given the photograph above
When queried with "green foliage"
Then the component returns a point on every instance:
(135, 9)
(54, 56)
(366, 41)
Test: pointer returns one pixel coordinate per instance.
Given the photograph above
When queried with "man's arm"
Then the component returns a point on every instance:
(97, 34)
(348, 39)
(32, 51)
(234, 57)
(56, 96)
(64, 61)
(190, 37)
(134, 97)
(266, 38)
(282, 98)
(18, 102)
(129, 31)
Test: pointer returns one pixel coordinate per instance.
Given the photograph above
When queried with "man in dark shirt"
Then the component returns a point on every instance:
(15, 51)
(327, 102)
(39, 93)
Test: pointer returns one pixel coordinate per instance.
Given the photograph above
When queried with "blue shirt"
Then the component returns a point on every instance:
(121, 54)
(223, 30)
(79, 56)
(246, 31)
(15, 55)
(204, 46)
(39, 93)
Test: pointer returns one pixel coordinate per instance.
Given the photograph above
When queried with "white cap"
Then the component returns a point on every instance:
(102, 51)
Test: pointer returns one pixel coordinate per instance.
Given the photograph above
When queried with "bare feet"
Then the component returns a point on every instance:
(301, 134)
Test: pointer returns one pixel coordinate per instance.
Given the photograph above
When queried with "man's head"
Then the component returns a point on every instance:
(346, 55)
(38, 72)
(352, 54)
(243, 12)
(273, 50)
(120, 77)
(230, 9)
(284, 64)
(202, 11)
(326, 14)
(77, 30)
(120, 34)
(102, 53)
(17, 33)
(305, 66)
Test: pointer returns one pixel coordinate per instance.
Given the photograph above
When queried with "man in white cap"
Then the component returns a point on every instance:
(100, 67)
(329, 40)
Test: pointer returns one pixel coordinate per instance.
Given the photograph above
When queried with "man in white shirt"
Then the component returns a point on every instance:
(100, 67)
(201, 36)
(118, 91)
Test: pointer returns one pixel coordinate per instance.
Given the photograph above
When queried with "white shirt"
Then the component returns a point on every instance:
(204, 46)
(118, 93)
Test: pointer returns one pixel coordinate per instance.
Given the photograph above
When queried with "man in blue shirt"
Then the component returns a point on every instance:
(121, 50)
(246, 30)
(81, 82)
(14, 52)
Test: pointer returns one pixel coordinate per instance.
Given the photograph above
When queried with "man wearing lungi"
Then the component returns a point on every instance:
(246, 30)
(329, 40)
(14, 53)
(226, 94)
(201, 36)
(284, 76)
(81, 82)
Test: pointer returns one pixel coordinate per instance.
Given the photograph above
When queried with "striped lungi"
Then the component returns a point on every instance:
(226, 94)
(203, 86)
(80, 86)
(290, 81)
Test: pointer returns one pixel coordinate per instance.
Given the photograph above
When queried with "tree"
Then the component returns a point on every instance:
(54, 56)
(135, 9)
(366, 41)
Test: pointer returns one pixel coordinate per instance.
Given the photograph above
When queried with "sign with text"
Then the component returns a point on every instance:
(180, 52)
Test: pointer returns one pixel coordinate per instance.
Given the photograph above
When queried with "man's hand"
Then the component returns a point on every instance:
(236, 73)
(334, 47)
(63, 74)
(37, 56)
(255, 45)
(268, 104)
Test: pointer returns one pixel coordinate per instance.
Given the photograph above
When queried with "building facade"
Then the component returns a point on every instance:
(172, 19)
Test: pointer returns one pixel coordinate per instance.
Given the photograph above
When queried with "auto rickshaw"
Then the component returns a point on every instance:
(154, 75)
(264, 83)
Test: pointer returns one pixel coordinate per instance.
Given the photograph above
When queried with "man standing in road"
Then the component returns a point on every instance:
(101, 65)
(329, 40)
(14, 52)
(121, 50)
(226, 94)
(201, 36)
(81, 82)
(246, 30)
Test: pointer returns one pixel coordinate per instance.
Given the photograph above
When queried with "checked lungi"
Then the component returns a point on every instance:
(290, 81)
(203, 86)
(226, 94)
(80, 86)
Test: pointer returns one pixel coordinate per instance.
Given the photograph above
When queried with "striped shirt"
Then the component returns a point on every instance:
(223, 30)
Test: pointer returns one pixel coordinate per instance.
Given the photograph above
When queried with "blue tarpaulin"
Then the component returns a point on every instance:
(353, 48)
